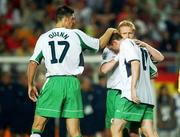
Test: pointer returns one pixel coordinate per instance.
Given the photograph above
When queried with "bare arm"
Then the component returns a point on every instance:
(104, 39)
(32, 91)
(135, 69)
(156, 55)
(108, 66)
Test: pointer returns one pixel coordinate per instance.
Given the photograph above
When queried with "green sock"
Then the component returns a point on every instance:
(79, 136)
(36, 131)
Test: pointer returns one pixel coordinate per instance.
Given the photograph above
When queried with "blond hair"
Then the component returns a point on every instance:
(126, 23)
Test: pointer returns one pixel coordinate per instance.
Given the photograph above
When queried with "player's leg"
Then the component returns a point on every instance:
(147, 122)
(117, 127)
(147, 128)
(110, 109)
(155, 133)
(49, 103)
(38, 126)
(72, 109)
(73, 127)
(128, 111)
(118, 122)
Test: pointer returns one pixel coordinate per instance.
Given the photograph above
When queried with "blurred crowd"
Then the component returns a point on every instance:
(168, 113)
(22, 21)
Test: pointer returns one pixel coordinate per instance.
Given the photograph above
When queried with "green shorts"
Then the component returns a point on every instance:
(60, 96)
(148, 114)
(130, 111)
(113, 97)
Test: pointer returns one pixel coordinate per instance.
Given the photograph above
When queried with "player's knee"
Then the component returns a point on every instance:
(147, 132)
(117, 126)
(38, 126)
(73, 132)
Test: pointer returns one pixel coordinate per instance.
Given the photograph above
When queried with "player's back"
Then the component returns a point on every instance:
(145, 90)
(129, 52)
(61, 49)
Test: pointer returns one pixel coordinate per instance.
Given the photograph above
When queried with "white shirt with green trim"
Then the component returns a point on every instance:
(62, 49)
(129, 51)
(113, 77)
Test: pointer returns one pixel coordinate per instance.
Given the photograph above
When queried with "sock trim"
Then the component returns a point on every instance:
(36, 131)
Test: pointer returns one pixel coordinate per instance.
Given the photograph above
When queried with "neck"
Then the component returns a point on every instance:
(60, 25)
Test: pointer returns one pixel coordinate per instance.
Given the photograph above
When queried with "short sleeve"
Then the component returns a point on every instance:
(37, 54)
(87, 42)
(152, 68)
(130, 50)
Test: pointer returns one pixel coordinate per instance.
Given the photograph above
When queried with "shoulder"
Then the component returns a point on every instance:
(128, 42)
(46, 34)
(78, 31)
(106, 50)
(107, 53)
(125, 44)
(41, 38)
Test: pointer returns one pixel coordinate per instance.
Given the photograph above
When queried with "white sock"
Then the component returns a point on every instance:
(35, 135)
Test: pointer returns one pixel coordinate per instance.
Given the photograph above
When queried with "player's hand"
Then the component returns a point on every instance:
(140, 43)
(134, 97)
(33, 93)
(113, 30)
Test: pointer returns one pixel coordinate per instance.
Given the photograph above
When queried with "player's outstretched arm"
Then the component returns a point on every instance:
(108, 66)
(135, 69)
(32, 91)
(104, 39)
(156, 55)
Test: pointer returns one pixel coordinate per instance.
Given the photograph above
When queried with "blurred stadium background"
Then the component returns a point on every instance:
(21, 23)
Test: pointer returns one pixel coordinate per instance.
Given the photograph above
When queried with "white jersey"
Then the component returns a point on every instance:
(129, 51)
(62, 49)
(113, 80)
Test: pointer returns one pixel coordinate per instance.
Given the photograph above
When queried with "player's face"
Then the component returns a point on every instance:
(126, 32)
(114, 46)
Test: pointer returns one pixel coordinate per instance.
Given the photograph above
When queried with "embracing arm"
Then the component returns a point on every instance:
(104, 39)
(156, 55)
(108, 66)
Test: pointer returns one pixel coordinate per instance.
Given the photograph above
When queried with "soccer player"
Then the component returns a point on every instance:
(127, 30)
(61, 49)
(113, 83)
(136, 100)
